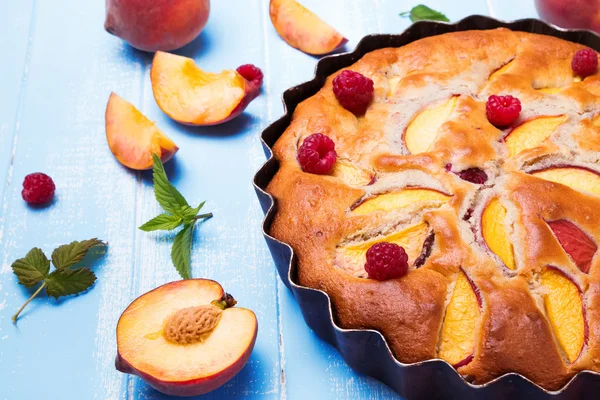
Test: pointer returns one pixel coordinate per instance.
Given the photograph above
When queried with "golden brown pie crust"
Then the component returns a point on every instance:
(313, 211)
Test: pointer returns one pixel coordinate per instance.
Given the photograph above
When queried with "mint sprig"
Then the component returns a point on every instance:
(69, 276)
(422, 13)
(178, 212)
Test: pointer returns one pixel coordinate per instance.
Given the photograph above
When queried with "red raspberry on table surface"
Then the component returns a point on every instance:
(38, 188)
(386, 261)
(473, 175)
(585, 62)
(502, 110)
(353, 90)
(251, 73)
(317, 154)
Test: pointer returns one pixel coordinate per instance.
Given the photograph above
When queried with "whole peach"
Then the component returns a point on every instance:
(152, 25)
(584, 14)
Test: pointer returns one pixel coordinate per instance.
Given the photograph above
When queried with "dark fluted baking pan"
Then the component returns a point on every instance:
(366, 350)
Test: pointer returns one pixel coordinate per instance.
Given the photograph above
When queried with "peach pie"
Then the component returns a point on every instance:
(447, 194)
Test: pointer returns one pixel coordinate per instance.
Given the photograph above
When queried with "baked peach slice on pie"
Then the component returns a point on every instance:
(185, 338)
(459, 329)
(302, 29)
(192, 96)
(564, 307)
(532, 133)
(400, 199)
(575, 242)
(495, 234)
(578, 178)
(132, 137)
(422, 131)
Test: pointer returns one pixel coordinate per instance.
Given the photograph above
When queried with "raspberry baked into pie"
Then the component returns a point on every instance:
(447, 194)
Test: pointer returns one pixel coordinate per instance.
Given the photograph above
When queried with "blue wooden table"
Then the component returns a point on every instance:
(58, 68)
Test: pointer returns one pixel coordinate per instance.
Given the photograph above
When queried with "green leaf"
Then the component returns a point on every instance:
(164, 222)
(182, 250)
(422, 12)
(70, 254)
(33, 268)
(64, 282)
(188, 213)
(167, 196)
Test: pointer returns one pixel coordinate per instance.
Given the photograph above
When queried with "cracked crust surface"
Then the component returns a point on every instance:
(315, 213)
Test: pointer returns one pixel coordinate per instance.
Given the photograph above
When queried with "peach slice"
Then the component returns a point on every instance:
(576, 178)
(411, 239)
(564, 307)
(575, 242)
(132, 137)
(397, 200)
(459, 330)
(351, 174)
(423, 129)
(493, 227)
(500, 71)
(532, 133)
(184, 338)
(302, 29)
(192, 96)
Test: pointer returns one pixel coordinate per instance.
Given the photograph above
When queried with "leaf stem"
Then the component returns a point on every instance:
(203, 216)
(14, 317)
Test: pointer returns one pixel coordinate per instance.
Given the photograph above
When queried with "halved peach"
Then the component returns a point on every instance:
(132, 137)
(423, 129)
(400, 199)
(350, 174)
(493, 228)
(532, 133)
(354, 256)
(575, 242)
(577, 178)
(192, 96)
(459, 330)
(564, 306)
(184, 338)
(302, 29)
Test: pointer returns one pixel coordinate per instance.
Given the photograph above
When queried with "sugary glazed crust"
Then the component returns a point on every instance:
(315, 213)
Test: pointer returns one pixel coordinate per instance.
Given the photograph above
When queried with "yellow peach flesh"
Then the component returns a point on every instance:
(500, 71)
(192, 96)
(423, 129)
(397, 200)
(302, 29)
(532, 133)
(457, 340)
(565, 311)
(494, 232)
(411, 239)
(351, 174)
(132, 137)
(142, 344)
(576, 178)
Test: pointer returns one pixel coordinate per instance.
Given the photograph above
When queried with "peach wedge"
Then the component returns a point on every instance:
(423, 129)
(576, 178)
(132, 137)
(493, 227)
(459, 330)
(532, 133)
(401, 199)
(302, 29)
(185, 338)
(192, 96)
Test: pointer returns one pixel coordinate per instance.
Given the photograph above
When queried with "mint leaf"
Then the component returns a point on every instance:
(189, 214)
(422, 12)
(70, 254)
(64, 282)
(33, 268)
(182, 250)
(167, 196)
(164, 222)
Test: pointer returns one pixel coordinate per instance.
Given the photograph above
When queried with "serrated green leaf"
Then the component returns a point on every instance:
(64, 282)
(166, 194)
(188, 213)
(422, 13)
(182, 250)
(164, 222)
(33, 268)
(70, 254)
